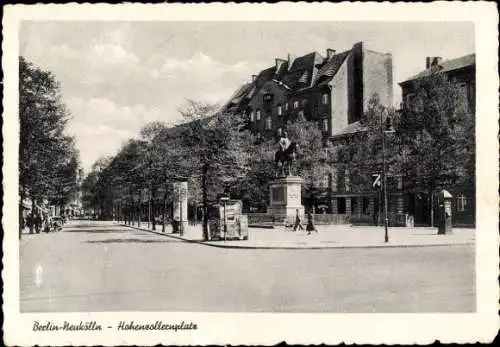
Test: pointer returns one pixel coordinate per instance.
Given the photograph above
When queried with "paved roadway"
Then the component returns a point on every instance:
(103, 267)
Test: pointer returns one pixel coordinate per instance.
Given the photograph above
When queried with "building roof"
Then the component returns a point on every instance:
(237, 96)
(446, 66)
(330, 68)
(300, 74)
(305, 72)
(352, 128)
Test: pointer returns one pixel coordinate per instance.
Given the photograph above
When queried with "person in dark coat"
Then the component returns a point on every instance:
(310, 224)
(38, 223)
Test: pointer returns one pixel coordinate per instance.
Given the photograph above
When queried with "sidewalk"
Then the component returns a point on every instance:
(329, 236)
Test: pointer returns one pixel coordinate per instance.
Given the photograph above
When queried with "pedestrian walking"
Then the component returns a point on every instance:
(46, 224)
(297, 222)
(29, 223)
(310, 224)
(38, 223)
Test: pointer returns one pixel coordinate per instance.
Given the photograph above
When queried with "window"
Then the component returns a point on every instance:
(408, 100)
(257, 115)
(354, 206)
(418, 104)
(295, 104)
(325, 124)
(347, 180)
(258, 138)
(400, 182)
(286, 106)
(301, 113)
(324, 181)
(334, 179)
(324, 99)
(304, 102)
(462, 98)
(366, 205)
(268, 123)
(461, 203)
(341, 208)
(278, 194)
(252, 116)
(280, 110)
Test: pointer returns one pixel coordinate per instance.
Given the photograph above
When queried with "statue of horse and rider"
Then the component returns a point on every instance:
(286, 154)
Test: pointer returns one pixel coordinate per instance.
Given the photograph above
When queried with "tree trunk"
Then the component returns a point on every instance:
(33, 206)
(432, 210)
(164, 212)
(432, 207)
(21, 218)
(152, 206)
(129, 213)
(139, 213)
(205, 201)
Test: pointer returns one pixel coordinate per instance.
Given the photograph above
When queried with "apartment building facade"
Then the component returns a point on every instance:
(461, 71)
(332, 90)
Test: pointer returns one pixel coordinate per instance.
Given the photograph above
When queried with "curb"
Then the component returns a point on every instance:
(225, 245)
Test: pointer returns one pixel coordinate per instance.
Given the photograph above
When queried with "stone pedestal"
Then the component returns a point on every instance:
(285, 197)
(180, 213)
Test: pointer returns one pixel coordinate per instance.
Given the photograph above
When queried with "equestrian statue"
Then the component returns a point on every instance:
(286, 154)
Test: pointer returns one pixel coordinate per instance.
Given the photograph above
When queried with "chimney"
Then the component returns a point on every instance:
(291, 59)
(279, 62)
(432, 61)
(330, 53)
(254, 77)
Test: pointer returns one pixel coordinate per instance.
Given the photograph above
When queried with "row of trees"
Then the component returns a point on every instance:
(210, 149)
(432, 146)
(48, 159)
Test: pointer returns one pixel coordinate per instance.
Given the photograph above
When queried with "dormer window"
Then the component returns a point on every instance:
(257, 115)
(295, 104)
(324, 99)
(280, 110)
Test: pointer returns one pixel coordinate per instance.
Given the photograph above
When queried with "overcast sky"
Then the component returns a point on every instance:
(117, 76)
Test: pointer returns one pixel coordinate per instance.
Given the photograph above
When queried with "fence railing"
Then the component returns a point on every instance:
(280, 219)
(395, 219)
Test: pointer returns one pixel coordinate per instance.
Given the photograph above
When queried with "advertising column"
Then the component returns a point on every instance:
(180, 204)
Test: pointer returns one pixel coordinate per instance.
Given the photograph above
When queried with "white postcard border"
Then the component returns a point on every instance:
(258, 328)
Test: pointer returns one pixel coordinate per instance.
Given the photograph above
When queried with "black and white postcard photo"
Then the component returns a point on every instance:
(248, 174)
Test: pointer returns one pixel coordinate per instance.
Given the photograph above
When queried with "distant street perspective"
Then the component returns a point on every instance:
(102, 266)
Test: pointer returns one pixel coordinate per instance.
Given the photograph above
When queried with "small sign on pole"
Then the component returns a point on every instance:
(377, 181)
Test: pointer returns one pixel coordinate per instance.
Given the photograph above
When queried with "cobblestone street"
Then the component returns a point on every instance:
(99, 266)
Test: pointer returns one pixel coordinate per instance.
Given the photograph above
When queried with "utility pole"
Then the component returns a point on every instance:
(388, 129)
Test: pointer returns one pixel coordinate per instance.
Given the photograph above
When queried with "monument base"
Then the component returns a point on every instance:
(285, 198)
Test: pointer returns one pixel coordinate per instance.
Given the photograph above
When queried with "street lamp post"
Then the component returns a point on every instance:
(388, 129)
